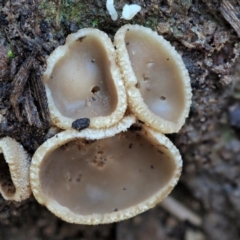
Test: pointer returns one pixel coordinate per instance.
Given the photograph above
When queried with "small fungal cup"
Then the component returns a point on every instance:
(101, 176)
(82, 80)
(156, 79)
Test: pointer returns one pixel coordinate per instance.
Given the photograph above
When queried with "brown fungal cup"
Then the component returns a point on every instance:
(14, 165)
(157, 81)
(118, 176)
(83, 81)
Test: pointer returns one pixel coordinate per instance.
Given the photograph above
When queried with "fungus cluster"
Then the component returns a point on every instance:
(122, 164)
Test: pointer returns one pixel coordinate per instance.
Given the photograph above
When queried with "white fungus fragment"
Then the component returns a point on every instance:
(14, 171)
(130, 10)
(111, 9)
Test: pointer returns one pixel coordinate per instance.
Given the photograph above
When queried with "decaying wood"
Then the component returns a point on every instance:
(13, 68)
(231, 14)
(180, 211)
(28, 95)
(39, 94)
(3, 64)
(4, 91)
(31, 110)
(19, 83)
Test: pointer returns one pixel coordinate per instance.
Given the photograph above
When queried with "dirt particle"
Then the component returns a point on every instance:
(81, 124)
(81, 38)
(163, 98)
(95, 89)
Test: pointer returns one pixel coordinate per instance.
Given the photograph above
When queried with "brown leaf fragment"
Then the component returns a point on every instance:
(31, 110)
(19, 83)
(231, 14)
(39, 94)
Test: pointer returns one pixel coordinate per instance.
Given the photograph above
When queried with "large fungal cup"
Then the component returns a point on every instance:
(155, 76)
(119, 176)
(83, 81)
(14, 170)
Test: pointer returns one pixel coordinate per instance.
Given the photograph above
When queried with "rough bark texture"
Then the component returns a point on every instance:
(206, 34)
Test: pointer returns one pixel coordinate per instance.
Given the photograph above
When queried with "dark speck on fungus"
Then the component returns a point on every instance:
(81, 38)
(81, 124)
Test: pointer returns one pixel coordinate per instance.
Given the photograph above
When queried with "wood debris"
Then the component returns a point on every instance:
(180, 211)
(19, 83)
(28, 96)
(3, 64)
(39, 93)
(231, 14)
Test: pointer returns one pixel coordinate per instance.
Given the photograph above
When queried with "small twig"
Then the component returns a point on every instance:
(39, 94)
(180, 211)
(31, 110)
(19, 83)
(58, 12)
(231, 14)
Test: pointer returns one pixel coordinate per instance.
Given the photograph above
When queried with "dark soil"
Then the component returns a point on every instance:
(206, 34)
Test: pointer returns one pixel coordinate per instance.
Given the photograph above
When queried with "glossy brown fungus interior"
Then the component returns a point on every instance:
(107, 175)
(158, 76)
(81, 83)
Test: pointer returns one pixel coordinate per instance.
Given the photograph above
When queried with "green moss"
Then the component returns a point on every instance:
(82, 13)
(49, 9)
(151, 23)
(95, 23)
(71, 10)
(236, 91)
(67, 10)
(10, 54)
(228, 134)
(186, 4)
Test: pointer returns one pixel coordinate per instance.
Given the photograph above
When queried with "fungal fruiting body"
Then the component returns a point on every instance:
(14, 165)
(156, 79)
(113, 170)
(111, 9)
(82, 80)
(130, 10)
(102, 176)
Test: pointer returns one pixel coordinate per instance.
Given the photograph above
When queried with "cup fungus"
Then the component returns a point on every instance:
(83, 81)
(157, 81)
(14, 165)
(118, 176)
